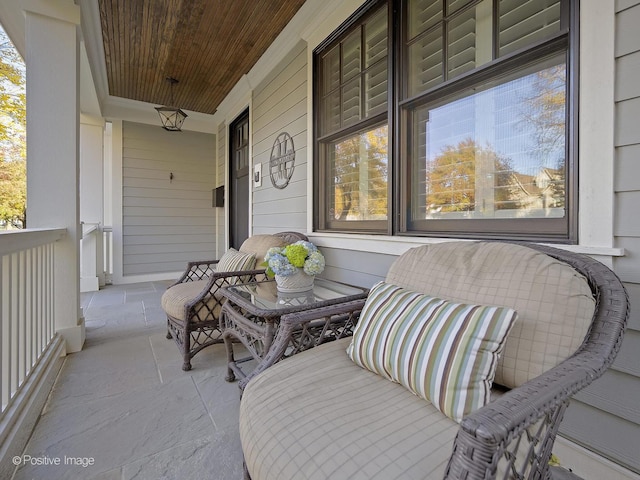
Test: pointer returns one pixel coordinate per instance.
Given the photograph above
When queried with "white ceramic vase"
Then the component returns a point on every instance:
(298, 282)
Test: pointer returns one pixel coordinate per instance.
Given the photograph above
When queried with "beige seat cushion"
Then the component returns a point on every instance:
(318, 415)
(554, 303)
(174, 299)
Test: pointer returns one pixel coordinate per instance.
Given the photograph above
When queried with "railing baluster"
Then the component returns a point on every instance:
(27, 324)
(4, 395)
(50, 299)
(22, 316)
(31, 318)
(37, 298)
(11, 320)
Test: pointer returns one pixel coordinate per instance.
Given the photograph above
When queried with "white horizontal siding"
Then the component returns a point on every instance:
(627, 114)
(627, 67)
(628, 267)
(296, 127)
(280, 105)
(624, 4)
(166, 222)
(633, 290)
(628, 166)
(627, 221)
(627, 22)
(624, 406)
(358, 268)
(627, 359)
(608, 434)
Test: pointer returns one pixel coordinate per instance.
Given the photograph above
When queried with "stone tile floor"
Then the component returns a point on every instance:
(124, 403)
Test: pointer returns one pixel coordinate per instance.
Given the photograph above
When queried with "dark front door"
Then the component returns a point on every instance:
(239, 181)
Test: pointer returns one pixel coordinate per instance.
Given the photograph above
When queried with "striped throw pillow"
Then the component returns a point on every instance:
(444, 352)
(233, 261)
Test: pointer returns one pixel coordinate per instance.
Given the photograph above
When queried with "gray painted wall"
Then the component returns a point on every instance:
(166, 222)
(280, 105)
(606, 416)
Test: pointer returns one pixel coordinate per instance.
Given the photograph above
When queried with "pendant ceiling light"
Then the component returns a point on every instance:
(172, 118)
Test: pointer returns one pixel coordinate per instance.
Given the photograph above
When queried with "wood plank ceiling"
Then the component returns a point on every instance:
(207, 45)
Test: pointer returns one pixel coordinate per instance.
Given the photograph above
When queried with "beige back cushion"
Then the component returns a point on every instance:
(554, 302)
(259, 244)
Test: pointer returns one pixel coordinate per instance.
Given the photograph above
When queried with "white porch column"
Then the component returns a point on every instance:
(91, 202)
(52, 61)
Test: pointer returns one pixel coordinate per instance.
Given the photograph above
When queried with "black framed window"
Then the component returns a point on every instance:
(471, 133)
(352, 93)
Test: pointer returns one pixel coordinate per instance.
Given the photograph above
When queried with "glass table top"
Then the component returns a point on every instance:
(264, 296)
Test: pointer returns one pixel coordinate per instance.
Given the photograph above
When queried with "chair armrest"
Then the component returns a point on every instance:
(196, 271)
(219, 280)
(301, 331)
(501, 431)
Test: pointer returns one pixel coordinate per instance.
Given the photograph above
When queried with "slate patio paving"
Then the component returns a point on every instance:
(122, 408)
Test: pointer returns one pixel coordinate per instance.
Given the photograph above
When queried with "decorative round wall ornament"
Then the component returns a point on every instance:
(282, 161)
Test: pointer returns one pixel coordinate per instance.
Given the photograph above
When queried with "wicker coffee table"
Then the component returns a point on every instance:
(252, 312)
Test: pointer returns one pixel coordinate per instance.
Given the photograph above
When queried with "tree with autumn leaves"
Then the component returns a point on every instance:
(469, 177)
(13, 183)
(453, 174)
(361, 176)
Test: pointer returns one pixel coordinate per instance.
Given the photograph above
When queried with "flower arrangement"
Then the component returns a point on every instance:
(286, 261)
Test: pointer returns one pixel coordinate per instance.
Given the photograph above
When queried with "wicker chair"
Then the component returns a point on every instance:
(318, 415)
(193, 304)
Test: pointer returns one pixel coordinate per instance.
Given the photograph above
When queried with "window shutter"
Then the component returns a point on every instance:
(422, 15)
(351, 67)
(330, 86)
(376, 64)
(461, 52)
(521, 23)
(425, 62)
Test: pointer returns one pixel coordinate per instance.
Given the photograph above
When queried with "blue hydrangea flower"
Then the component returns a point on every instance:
(279, 264)
(308, 245)
(271, 252)
(314, 264)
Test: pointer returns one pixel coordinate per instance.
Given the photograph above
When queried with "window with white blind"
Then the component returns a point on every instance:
(455, 122)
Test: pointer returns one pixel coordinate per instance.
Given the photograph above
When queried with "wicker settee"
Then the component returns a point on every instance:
(320, 415)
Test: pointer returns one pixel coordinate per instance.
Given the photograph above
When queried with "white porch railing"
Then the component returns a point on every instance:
(96, 266)
(26, 305)
(107, 245)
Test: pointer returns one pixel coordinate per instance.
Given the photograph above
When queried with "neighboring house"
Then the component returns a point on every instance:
(541, 192)
(339, 75)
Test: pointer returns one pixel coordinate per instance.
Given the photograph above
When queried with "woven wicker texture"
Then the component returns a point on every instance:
(326, 434)
(554, 302)
(174, 299)
(194, 301)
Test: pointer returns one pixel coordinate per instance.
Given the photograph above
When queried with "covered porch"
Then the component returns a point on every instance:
(123, 408)
(118, 395)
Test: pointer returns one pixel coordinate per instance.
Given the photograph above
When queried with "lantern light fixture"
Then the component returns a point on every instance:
(172, 118)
